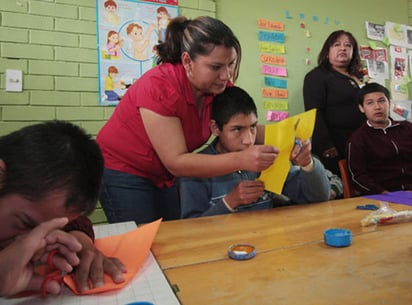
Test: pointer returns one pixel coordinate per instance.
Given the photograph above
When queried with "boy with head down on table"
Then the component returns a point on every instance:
(50, 175)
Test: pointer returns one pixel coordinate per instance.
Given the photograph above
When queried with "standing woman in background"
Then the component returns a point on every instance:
(164, 116)
(332, 88)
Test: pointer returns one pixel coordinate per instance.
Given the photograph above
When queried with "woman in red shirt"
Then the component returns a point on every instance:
(164, 116)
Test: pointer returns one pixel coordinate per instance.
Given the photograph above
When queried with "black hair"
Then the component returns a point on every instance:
(323, 57)
(370, 88)
(232, 101)
(52, 156)
(197, 37)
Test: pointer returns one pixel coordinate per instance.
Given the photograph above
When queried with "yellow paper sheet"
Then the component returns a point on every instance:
(131, 248)
(282, 135)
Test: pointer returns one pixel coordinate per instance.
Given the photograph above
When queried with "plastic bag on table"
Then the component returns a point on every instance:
(385, 214)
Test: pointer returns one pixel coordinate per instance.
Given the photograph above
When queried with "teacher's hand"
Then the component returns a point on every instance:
(258, 157)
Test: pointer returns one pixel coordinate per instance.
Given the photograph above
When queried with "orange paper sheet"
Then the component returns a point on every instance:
(282, 135)
(131, 248)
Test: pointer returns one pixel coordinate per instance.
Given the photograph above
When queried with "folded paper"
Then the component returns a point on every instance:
(132, 248)
(282, 135)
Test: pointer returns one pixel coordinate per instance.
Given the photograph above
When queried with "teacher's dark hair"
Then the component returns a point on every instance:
(323, 57)
(196, 37)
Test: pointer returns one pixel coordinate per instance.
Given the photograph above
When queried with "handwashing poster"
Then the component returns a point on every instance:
(127, 33)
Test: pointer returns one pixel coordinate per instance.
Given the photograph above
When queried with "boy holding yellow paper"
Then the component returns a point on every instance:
(234, 123)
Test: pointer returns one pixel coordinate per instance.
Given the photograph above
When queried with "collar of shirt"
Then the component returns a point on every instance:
(384, 128)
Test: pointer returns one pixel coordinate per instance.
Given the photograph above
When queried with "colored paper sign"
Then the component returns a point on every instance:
(268, 47)
(275, 82)
(272, 59)
(273, 70)
(287, 15)
(282, 135)
(271, 25)
(276, 116)
(274, 93)
(271, 37)
(275, 105)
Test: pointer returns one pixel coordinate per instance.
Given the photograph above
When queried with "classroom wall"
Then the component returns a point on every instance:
(54, 43)
(317, 17)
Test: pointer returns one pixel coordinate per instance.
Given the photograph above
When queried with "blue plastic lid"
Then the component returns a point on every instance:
(338, 237)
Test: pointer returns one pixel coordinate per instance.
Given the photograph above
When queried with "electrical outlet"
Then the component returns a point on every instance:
(14, 80)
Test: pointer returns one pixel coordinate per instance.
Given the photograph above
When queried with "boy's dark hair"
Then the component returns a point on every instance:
(230, 102)
(370, 88)
(52, 156)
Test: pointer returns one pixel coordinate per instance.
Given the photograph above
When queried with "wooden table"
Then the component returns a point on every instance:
(292, 265)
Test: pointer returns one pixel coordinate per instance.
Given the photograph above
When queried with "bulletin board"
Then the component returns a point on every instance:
(306, 25)
(127, 32)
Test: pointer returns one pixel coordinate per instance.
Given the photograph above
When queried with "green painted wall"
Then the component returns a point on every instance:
(54, 43)
(331, 15)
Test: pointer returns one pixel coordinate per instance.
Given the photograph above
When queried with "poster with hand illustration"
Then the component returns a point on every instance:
(127, 33)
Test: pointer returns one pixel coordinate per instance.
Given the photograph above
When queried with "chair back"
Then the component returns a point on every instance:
(348, 191)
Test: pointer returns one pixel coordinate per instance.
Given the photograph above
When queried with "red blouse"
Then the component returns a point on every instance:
(125, 144)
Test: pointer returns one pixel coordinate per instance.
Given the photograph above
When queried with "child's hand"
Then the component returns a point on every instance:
(94, 264)
(246, 192)
(302, 153)
(16, 260)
